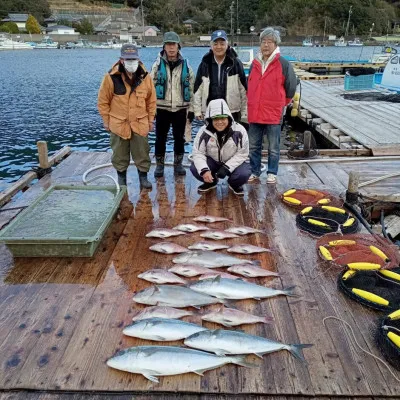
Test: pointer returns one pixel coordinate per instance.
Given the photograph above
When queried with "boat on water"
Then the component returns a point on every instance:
(246, 56)
(8, 44)
(384, 55)
(391, 75)
(308, 42)
(341, 42)
(355, 43)
(47, 43)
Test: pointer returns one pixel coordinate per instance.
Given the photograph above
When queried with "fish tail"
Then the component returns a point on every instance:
(241, 360)
(290, 291)
(229, 303)
(297, 350)
(267, 320)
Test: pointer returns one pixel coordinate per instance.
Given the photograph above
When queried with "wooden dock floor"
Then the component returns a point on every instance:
(61, 319)
(373, 124)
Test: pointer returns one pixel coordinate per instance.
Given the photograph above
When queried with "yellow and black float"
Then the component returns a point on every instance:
(322, 220)
(388, 338)
(374, 288)
(300, 198)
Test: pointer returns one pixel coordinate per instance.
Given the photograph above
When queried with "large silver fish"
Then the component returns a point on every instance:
(251, 271)
(209, 219)
(189, 270)
(218, 235)
(160, 276)
(174, 296)
(207, 246)
(191, 228)
(223, 342)
(243, 230)
(168, 248)
(153, 361)
(247, 249)
(223, 288)
(210, 259)
(164, 233)
(161, 312)
(230, 317)
(161, 329)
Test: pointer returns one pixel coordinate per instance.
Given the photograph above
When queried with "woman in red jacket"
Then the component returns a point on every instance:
(271, 86)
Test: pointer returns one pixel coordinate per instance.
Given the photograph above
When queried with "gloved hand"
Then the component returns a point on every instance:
(190, 116)
(223, 172)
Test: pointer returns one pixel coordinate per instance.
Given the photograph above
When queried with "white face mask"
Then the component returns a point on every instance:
(131, 65)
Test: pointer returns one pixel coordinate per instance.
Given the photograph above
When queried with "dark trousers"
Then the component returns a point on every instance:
(238, 177)
(164, 120)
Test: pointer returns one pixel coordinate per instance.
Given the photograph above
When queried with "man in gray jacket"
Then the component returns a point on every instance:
(221, 149)
(174, 79)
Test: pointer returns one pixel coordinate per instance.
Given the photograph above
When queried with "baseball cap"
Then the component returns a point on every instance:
(171, 37)
(129, 52)
(219, 35)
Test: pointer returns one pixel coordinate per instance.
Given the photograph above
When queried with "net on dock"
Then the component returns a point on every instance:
(300, 198)
(372, 96)
(358, 248)
(322, 220)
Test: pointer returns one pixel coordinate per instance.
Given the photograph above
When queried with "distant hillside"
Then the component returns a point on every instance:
(83, 5)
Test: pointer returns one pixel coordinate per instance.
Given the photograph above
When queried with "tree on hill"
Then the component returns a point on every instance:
(9, 27)
(40, 9)
(84, 27)
(32, 25)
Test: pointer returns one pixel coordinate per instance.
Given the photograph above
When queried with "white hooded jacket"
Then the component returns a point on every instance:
(234, 151)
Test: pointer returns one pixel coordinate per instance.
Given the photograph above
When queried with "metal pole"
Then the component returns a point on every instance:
(348, 22)
(231, 8)
(237, 23)
(141, 6)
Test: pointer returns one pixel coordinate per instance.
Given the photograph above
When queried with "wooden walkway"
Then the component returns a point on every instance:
(351, 124)
(61, 319)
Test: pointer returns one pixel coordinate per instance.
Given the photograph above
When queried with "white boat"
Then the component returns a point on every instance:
(355, 43)
(47, 43)
(340, 42)
(246, 56)
(384, 56)
(9, 44)
(391, 74)
(308, 42)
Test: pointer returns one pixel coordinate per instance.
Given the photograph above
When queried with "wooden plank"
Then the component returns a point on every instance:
(16, 187)
(43, 154)
(391, 150)
(59, 155)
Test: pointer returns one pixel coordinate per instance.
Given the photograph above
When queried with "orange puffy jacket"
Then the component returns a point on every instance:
(124, 108)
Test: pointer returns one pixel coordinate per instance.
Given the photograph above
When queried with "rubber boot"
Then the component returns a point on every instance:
(121, 178)
(159, 171)
(144, 183)
(178, 167)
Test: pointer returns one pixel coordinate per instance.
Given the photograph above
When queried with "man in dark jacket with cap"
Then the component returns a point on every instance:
(221, 76)
(174, 79)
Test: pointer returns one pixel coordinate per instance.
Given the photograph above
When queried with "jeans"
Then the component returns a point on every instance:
(164, 120)
(237, 178)
(273, 137)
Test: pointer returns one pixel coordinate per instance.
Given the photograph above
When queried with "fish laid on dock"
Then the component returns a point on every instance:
(191, 228)
(251, 271)
(230, 317)
(161, 312)
(162, 329)
(174, 296)
(153, 361)
(160, 276)
(210, 259)
(214, 273)
(189, 270)
(236, 289)
(248, 249)
(223, 342)
(218, 235)
(164, 233)
(168, 248)
(207, 246)
(243, 230)
(209, 219)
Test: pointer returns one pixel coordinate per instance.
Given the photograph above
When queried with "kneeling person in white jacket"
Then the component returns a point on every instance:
(221, 149)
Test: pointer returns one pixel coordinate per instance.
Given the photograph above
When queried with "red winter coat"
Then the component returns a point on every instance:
(269, 93)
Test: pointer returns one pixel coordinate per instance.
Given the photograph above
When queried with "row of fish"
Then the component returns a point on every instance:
(171, 248)
(161, 320)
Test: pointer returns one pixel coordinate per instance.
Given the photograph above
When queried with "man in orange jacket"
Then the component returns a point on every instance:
(127, 104)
